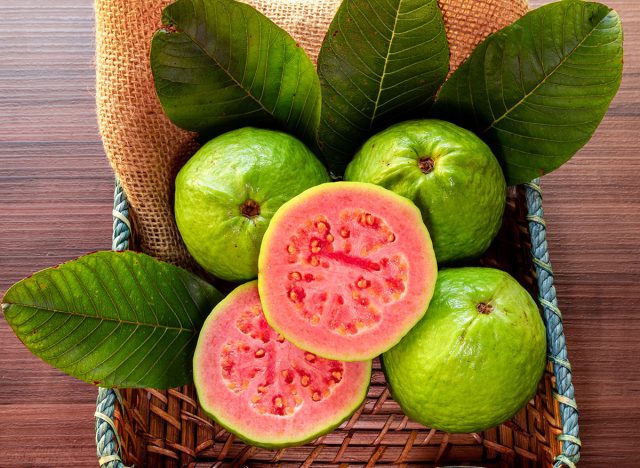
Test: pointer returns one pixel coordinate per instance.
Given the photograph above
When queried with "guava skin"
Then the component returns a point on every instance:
(475, 358)
(448, 172)
(228, 191)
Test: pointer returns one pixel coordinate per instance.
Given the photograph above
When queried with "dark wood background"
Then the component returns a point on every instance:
(56, 194)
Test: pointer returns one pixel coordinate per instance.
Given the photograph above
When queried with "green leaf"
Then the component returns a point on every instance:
(220, 65)
(381, 62)
(113, 318)
(537, 90)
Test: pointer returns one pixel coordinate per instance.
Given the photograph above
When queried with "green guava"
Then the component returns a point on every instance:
(448, 172)
(475, 358)
(261, 387)
(346, 269)
(227, 193)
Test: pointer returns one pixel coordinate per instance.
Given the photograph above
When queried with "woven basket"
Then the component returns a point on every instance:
(168, 428)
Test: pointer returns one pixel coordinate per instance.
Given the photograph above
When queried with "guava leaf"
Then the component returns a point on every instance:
(220, 65)
(114, 319)
(381, 62)
(537, 90)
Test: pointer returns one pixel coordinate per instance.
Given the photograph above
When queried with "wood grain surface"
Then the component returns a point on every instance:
(56, 194)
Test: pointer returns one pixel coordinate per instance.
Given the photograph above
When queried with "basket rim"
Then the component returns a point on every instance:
(107, 438)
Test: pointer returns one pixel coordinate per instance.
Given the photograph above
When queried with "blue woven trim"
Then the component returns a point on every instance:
(107, 443)
(121, 226)
(557, 346)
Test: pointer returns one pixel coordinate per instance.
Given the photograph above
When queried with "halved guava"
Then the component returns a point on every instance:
(261, 387)
(346, 269)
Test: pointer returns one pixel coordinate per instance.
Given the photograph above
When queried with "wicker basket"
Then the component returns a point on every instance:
(168, 428)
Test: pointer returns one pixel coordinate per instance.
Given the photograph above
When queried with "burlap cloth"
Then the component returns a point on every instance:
(146, 150)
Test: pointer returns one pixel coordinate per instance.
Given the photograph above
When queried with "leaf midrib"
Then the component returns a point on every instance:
(102, 318)
(233, 78)
(546, 76)
(386, 63)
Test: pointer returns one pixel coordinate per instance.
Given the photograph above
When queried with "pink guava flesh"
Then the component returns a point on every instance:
(346, 269)
(264, 389)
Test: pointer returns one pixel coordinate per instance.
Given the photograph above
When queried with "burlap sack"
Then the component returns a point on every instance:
(146, 150)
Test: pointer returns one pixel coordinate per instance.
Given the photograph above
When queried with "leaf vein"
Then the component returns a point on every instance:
(542, 82)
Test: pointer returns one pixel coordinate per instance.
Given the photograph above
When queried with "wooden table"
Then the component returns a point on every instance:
(56, 194)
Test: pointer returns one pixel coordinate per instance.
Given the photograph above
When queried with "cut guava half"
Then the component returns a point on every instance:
(346, 269)
(261, 387)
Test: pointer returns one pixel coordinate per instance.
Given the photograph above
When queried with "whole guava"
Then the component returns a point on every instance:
(228, 191)
(448, 172)
(475, 358)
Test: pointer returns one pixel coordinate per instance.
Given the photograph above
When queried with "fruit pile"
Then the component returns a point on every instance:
(360, 198)
(347, 272)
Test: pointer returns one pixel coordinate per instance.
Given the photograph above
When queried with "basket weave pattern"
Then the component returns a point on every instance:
(168, 428)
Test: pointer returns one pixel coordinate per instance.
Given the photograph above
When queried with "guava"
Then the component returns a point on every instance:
(346, 269)
(261, 387)
(228, 191)
(448, 172)
(475, 358)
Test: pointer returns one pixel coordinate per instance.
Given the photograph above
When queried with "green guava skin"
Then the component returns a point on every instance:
(265, 166)
(462, 198)
(459, 370)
